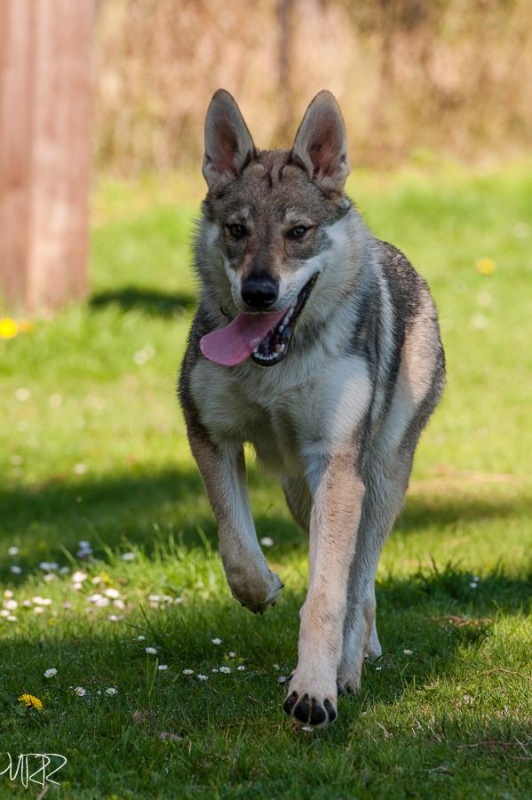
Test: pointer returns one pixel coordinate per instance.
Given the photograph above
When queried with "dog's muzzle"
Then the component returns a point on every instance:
(276, 344)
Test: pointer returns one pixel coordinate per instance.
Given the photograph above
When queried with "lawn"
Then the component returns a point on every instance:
(115, 613)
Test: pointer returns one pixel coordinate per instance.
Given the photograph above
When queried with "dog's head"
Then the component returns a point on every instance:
(265, 222)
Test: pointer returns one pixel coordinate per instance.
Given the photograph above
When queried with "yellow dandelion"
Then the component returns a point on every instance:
(30, 701)
(486, 266)
(8, 328)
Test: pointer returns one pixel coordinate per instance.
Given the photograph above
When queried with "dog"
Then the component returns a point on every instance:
(319, 344)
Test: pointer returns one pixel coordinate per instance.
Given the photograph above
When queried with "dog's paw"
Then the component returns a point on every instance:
(311, 701)
(349, 677)
(352, 664)
(348, 686)
(374, 649)
(259, 597)
(309, 710)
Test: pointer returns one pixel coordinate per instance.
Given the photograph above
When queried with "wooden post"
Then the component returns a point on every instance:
(45, 152)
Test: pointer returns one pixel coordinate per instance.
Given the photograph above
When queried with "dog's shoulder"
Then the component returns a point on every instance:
(405, 284)
(407, 291)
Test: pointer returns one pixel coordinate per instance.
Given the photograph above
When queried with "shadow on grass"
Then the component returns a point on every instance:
(149, 301)
(140, 507)
(46, 518)
(132, 505)
(442, 509)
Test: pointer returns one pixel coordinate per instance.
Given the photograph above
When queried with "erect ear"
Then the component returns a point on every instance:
(320, 145)
(228, 143)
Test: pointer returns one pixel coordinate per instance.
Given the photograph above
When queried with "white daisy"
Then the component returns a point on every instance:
(50, 673)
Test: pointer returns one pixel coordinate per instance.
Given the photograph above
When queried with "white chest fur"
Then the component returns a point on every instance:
(289, 415)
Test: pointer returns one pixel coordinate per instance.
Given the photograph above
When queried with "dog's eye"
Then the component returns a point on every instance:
(297, 232)
(236, 231)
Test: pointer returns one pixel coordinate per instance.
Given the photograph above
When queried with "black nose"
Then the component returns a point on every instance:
(259, 292)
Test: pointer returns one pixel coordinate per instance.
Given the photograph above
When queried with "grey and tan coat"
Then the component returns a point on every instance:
(334, 397)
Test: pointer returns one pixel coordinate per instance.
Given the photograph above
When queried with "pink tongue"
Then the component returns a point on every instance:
(231, 345)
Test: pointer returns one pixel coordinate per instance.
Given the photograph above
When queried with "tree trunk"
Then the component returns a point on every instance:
(45, 152)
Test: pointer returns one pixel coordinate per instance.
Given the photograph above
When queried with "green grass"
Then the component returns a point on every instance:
(94, 450)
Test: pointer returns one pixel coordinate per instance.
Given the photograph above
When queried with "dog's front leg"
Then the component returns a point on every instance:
(224, 474)
(335, 515)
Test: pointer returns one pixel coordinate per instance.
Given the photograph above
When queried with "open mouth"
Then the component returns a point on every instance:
(276, 344)
(264, 337)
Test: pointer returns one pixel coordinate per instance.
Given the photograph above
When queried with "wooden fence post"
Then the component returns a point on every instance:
(45, 152)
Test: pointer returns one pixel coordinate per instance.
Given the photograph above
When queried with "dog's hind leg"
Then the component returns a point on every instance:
(224, 475)
(298, 500)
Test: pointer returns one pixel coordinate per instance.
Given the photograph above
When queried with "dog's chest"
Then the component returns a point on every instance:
(236, 410)
(285, 421)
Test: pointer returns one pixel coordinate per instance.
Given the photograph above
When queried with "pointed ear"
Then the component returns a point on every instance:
(320, 146)
(228, 143)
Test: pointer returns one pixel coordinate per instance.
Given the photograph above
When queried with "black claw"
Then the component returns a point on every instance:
(290, 702)
(345, 689)
(318, 715)
(302, 711)
(331, 711)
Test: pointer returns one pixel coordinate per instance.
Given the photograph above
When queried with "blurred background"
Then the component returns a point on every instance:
(415, 79)
(118, 90)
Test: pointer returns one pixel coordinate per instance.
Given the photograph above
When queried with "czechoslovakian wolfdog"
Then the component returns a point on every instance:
(319, 344)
